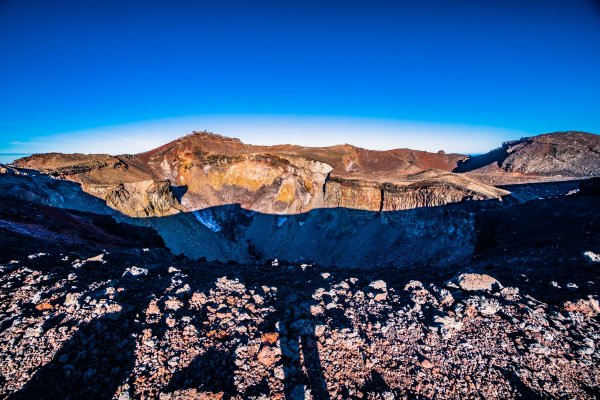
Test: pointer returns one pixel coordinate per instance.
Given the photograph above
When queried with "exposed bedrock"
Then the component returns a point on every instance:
(139, 199)
(260, 182)
(209, 170)
(430, 188)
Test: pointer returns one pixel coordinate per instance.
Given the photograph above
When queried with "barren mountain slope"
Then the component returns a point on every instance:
(551, 156)
(208, 170)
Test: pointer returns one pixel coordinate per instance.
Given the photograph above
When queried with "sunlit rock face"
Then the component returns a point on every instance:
(143, 199)
(260, 182)
(208, 170)
(566, 153)
(550, 157)
(215, 197)
(358, 194)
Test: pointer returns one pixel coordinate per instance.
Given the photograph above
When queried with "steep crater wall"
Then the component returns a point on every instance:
(344, 237)
(437, 236)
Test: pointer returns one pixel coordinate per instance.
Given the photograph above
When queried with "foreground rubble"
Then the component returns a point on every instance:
(142, 324)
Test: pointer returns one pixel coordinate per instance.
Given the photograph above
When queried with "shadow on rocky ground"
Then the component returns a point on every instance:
(128, 319)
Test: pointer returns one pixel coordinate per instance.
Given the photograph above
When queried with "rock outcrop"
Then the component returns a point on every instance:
(560, 154)
(141, 199)
(430, 188)
(260, 182)
(211, 170)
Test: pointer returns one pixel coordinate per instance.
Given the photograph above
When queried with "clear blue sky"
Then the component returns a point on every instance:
(77, 66)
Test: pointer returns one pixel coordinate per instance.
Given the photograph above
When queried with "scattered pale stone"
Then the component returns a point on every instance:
(258, 299)
(269, 338)
(173, 304)
(135, 271)
(98, 258)
(380, 296)
(32, 256)
(592, 257)
(413, 285)
(379, 285)
(268, 355)
(474, 282)
(43, 307)
(198, 299)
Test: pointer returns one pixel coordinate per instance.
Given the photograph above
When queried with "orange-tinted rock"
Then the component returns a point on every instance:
(270, 338)
(284, 179)
(43, 307)
(268, 355)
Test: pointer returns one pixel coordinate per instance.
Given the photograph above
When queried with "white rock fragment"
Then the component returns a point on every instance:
(32, 256)
(135, 271)
(300, 392)
(448, 325)
(591, 257)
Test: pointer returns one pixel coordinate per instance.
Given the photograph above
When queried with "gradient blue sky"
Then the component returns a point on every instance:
(122, 76)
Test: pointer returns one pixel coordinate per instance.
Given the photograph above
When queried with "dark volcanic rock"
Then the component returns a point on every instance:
(590, 187)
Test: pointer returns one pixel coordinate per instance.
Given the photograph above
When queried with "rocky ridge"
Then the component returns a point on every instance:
(552, 155)
(212, 170)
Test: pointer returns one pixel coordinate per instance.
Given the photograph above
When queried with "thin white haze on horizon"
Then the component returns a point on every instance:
(376, 134)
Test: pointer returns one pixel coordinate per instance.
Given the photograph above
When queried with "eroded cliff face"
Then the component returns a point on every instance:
(139, 199)
(363, 195)
(430, 188)
(259, 182)
(209, 170)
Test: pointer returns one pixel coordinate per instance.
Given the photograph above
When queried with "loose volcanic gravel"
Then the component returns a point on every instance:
(142, 324)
